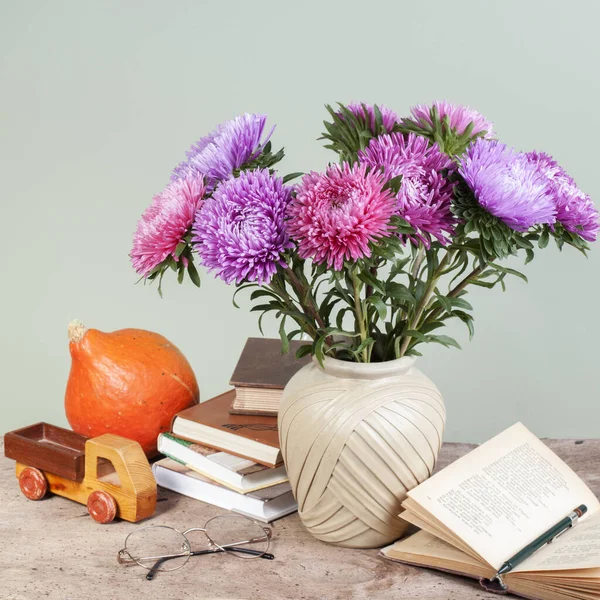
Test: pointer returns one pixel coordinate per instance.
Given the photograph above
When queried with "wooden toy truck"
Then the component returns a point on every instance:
(109, 473)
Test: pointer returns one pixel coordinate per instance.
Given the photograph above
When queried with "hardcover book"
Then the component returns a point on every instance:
(261, 374)
(210, 424)
(239, 474)
(263, 505)
(484, 508)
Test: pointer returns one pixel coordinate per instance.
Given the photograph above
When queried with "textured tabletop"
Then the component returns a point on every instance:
(53, 550)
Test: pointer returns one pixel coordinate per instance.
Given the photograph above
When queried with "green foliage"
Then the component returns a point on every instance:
(347, 133)
(440, 132)
(183, 256)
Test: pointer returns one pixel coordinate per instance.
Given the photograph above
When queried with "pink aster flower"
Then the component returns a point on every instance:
(459, 117)
(165, 222)
(335, 215)
(388, 117)
(425, 192)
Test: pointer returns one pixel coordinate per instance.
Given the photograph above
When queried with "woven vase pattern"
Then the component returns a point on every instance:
(355, 439)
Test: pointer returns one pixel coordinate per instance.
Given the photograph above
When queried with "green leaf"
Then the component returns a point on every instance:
(530, 256)
(544, 238)
(291, 176)
(444, 302)
(285, 342)
(508, 271)
(467, 319)
(379, 305)
(400, 292)
(445, 340)
(260, 293)
(179, 249)
(239, 289)
(193, 273)
(364, 344)
(180, 272)
(303, 351)
(318, 349)
(369, 279)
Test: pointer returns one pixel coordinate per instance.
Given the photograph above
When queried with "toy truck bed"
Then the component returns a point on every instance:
(48, 448)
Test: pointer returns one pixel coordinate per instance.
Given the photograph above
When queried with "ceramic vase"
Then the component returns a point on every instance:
(355, 438)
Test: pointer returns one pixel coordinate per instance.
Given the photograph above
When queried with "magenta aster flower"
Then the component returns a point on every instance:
(335, 215)
(507, 185)
(389, 117)
(227, 148)
(459, 117)
(425, 194)
(165, 222)
(575, 211)
(240, 233)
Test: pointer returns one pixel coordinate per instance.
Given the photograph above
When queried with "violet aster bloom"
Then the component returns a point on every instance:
(228, 147)
(425, 194)
(389, 117)
(575, 211)
(459, 117)
(335, 215)
(165, 222)
(240, 233)
(507, 185)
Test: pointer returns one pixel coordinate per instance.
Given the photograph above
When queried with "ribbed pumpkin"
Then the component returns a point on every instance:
(129, 382)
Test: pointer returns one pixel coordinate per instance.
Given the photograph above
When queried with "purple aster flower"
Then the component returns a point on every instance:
(165, 222)
(335, 215)
(575, 210)
(240, 234)
(459, 117)
(425, 194)
(228, 147)
(389, 117)
(507, 185)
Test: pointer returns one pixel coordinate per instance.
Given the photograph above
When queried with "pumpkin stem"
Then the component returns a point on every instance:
(77, 331)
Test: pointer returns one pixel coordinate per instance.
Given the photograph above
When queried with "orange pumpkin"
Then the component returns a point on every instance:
(129, 382)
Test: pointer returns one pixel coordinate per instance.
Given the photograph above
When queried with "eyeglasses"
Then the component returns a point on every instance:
(163, 548)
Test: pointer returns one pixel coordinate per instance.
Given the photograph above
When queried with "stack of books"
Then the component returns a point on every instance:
(226, 453)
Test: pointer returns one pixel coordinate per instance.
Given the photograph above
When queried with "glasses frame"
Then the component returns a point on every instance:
(125, 558)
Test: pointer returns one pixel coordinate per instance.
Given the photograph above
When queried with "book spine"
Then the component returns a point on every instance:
(175, 439)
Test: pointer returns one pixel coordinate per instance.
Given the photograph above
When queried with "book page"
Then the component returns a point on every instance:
(425, 548)
(577, 548)
(504, 494)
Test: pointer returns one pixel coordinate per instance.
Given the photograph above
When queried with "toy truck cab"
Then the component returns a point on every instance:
(109, 473)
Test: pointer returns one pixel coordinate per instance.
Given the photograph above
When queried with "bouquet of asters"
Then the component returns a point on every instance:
(373, 256)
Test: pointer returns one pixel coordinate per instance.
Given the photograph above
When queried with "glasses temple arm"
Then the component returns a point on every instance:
(156, 566)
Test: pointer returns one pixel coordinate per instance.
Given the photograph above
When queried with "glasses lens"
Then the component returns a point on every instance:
(158, 546)
(242, 536)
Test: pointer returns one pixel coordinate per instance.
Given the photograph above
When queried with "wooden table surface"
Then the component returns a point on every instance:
(53, 550)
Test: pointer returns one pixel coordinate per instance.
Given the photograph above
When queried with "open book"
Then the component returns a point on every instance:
(485, 507)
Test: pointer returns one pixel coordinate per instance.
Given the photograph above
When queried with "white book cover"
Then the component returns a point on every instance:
(239, 474)
(264, 505)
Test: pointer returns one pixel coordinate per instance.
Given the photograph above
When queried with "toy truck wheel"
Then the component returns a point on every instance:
(33, 483)
(102, 507)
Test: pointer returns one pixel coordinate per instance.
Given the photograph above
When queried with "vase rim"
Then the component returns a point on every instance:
(376, 370)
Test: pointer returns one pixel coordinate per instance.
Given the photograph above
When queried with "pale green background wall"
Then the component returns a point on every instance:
(100, 99)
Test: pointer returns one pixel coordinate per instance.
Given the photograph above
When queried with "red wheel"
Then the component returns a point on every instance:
(33, 483)
(102, 507)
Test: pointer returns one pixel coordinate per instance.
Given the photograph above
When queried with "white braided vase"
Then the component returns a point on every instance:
(355, 438)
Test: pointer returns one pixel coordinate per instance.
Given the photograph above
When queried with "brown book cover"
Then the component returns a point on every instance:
(262, 365)
(215, 414)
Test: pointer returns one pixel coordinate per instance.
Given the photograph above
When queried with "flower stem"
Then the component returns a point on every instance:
(472, 276)
(359, 313)
(304, 297)
(424, 301)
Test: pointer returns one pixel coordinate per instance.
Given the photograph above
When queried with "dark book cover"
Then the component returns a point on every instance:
(262, 365)
(215, 413)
